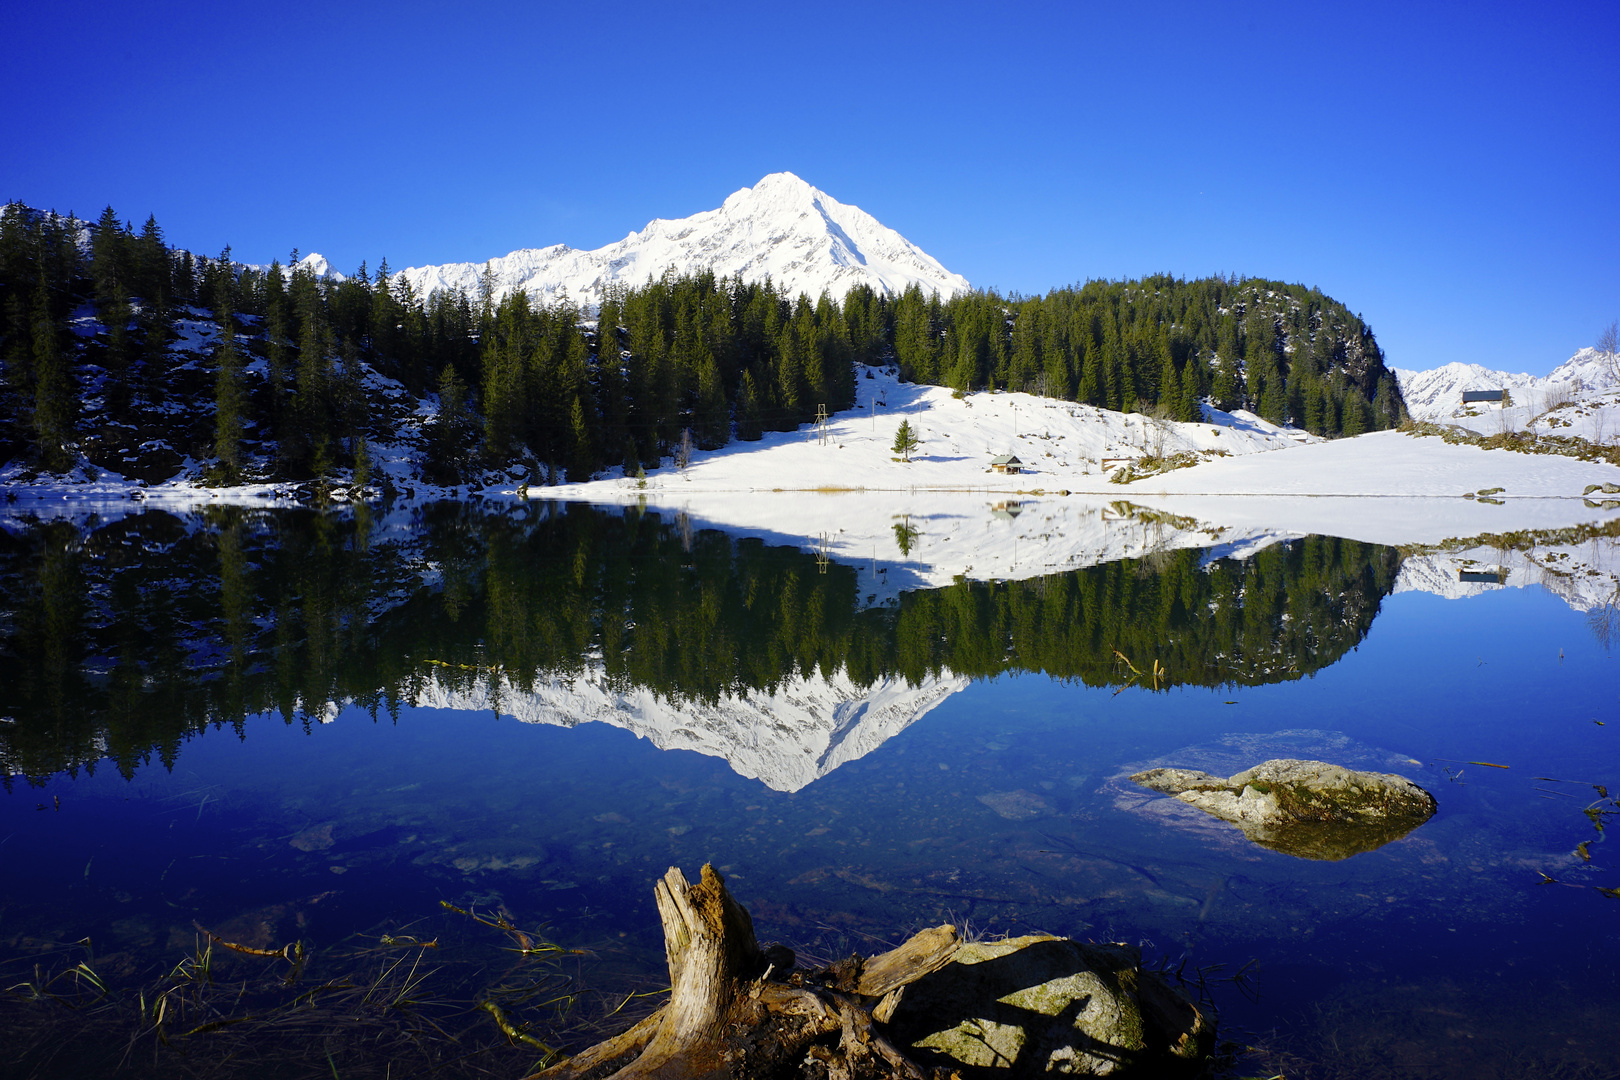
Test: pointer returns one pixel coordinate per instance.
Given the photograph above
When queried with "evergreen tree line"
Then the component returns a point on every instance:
(283, 611)
(1286, 352)
(687, 359)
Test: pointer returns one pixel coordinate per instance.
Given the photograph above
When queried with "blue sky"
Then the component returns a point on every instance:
(1451, 172)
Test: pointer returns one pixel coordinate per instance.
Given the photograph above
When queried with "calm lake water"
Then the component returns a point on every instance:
(287, 726)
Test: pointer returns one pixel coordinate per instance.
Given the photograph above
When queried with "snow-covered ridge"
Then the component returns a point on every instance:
(802, 238)
(1436, 394)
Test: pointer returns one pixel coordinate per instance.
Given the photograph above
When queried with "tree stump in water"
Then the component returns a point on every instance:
(737, 1013)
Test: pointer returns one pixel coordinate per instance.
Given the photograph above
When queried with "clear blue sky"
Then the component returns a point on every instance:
(1451, 172)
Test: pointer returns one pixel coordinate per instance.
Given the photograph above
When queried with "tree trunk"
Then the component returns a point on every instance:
(728, 1019)
(721, 1010)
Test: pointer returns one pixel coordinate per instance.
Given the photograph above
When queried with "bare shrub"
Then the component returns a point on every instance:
(1607, 343)
(683, 450)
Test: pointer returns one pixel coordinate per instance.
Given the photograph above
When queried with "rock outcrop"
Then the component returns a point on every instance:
(934, 1007)
(1033, 1005)
(1310, 809)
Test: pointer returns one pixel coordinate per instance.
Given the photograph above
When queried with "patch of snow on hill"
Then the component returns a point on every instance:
(799, 236)
(1060, 445)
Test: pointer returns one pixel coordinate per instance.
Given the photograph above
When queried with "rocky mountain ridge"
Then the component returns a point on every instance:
(1436, 394)
(782, 227)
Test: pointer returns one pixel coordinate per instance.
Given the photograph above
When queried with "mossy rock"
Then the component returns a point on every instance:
(1310, 809)
(1034, 1005)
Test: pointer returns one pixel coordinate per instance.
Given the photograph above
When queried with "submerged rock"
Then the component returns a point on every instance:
(1034, 1005)
(1310, 809)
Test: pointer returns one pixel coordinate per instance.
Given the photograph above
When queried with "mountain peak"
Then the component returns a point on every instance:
(776, 189)
(318, 267)
(782, 228)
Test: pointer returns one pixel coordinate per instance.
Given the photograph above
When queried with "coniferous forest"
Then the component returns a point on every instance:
(122, 353)
(224, 615)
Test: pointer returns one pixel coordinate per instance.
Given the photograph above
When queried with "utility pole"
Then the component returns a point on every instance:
(821, 424)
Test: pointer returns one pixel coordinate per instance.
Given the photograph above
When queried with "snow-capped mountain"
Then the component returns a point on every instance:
(804, 730)
(317, 265)
(804, 239)
(1437, 394)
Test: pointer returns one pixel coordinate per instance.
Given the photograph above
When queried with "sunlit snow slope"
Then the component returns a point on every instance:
(800, 237)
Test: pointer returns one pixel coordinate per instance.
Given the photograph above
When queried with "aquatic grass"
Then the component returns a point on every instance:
(387, 1005)
(1438, 1028)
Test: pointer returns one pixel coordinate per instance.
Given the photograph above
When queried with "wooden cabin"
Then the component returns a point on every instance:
(1007, 463)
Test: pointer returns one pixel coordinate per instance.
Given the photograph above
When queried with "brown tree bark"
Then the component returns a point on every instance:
(728, 1018)
(719, 1003)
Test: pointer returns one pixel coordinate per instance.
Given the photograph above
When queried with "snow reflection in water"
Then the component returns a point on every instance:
(884, 768)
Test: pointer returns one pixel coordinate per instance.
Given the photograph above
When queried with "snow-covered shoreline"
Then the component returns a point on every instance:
(1389, 487)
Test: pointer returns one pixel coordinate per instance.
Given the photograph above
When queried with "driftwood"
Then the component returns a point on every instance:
(736, 1012)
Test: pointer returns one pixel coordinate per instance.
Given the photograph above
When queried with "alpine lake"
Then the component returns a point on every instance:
(299, 793)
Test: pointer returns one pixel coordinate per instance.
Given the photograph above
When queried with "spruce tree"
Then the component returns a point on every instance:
(452, 443)
(157, 322)
(229, 400)
(119, 352)
(54, 405)
(152, 272)
(905, 440)
(713, 421)
(311, 404)
(749, 427)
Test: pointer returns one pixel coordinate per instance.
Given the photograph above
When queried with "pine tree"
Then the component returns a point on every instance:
(905, 440)
(311, 405)
(156, 324)
(749, 428)
(583, 454)
(53, 390)
(152, 269)
(278, 346)
(1169, 388)
(713, 421)
(1355, 415)
(119, 353)
(229, 400)
(452, 442)
(1187, 409)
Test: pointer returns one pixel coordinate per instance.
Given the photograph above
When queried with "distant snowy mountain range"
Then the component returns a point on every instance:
(807, 241)
(799, 236)
(1436, 394)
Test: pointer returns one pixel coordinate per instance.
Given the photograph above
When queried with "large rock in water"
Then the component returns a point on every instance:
(1306, 808)
(1035, 1005)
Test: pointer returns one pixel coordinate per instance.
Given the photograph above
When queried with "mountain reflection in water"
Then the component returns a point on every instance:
(129, 636)
(1484, 936)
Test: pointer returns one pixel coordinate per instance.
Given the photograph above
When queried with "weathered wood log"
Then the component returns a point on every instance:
(731, 1017)
(921, 954)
